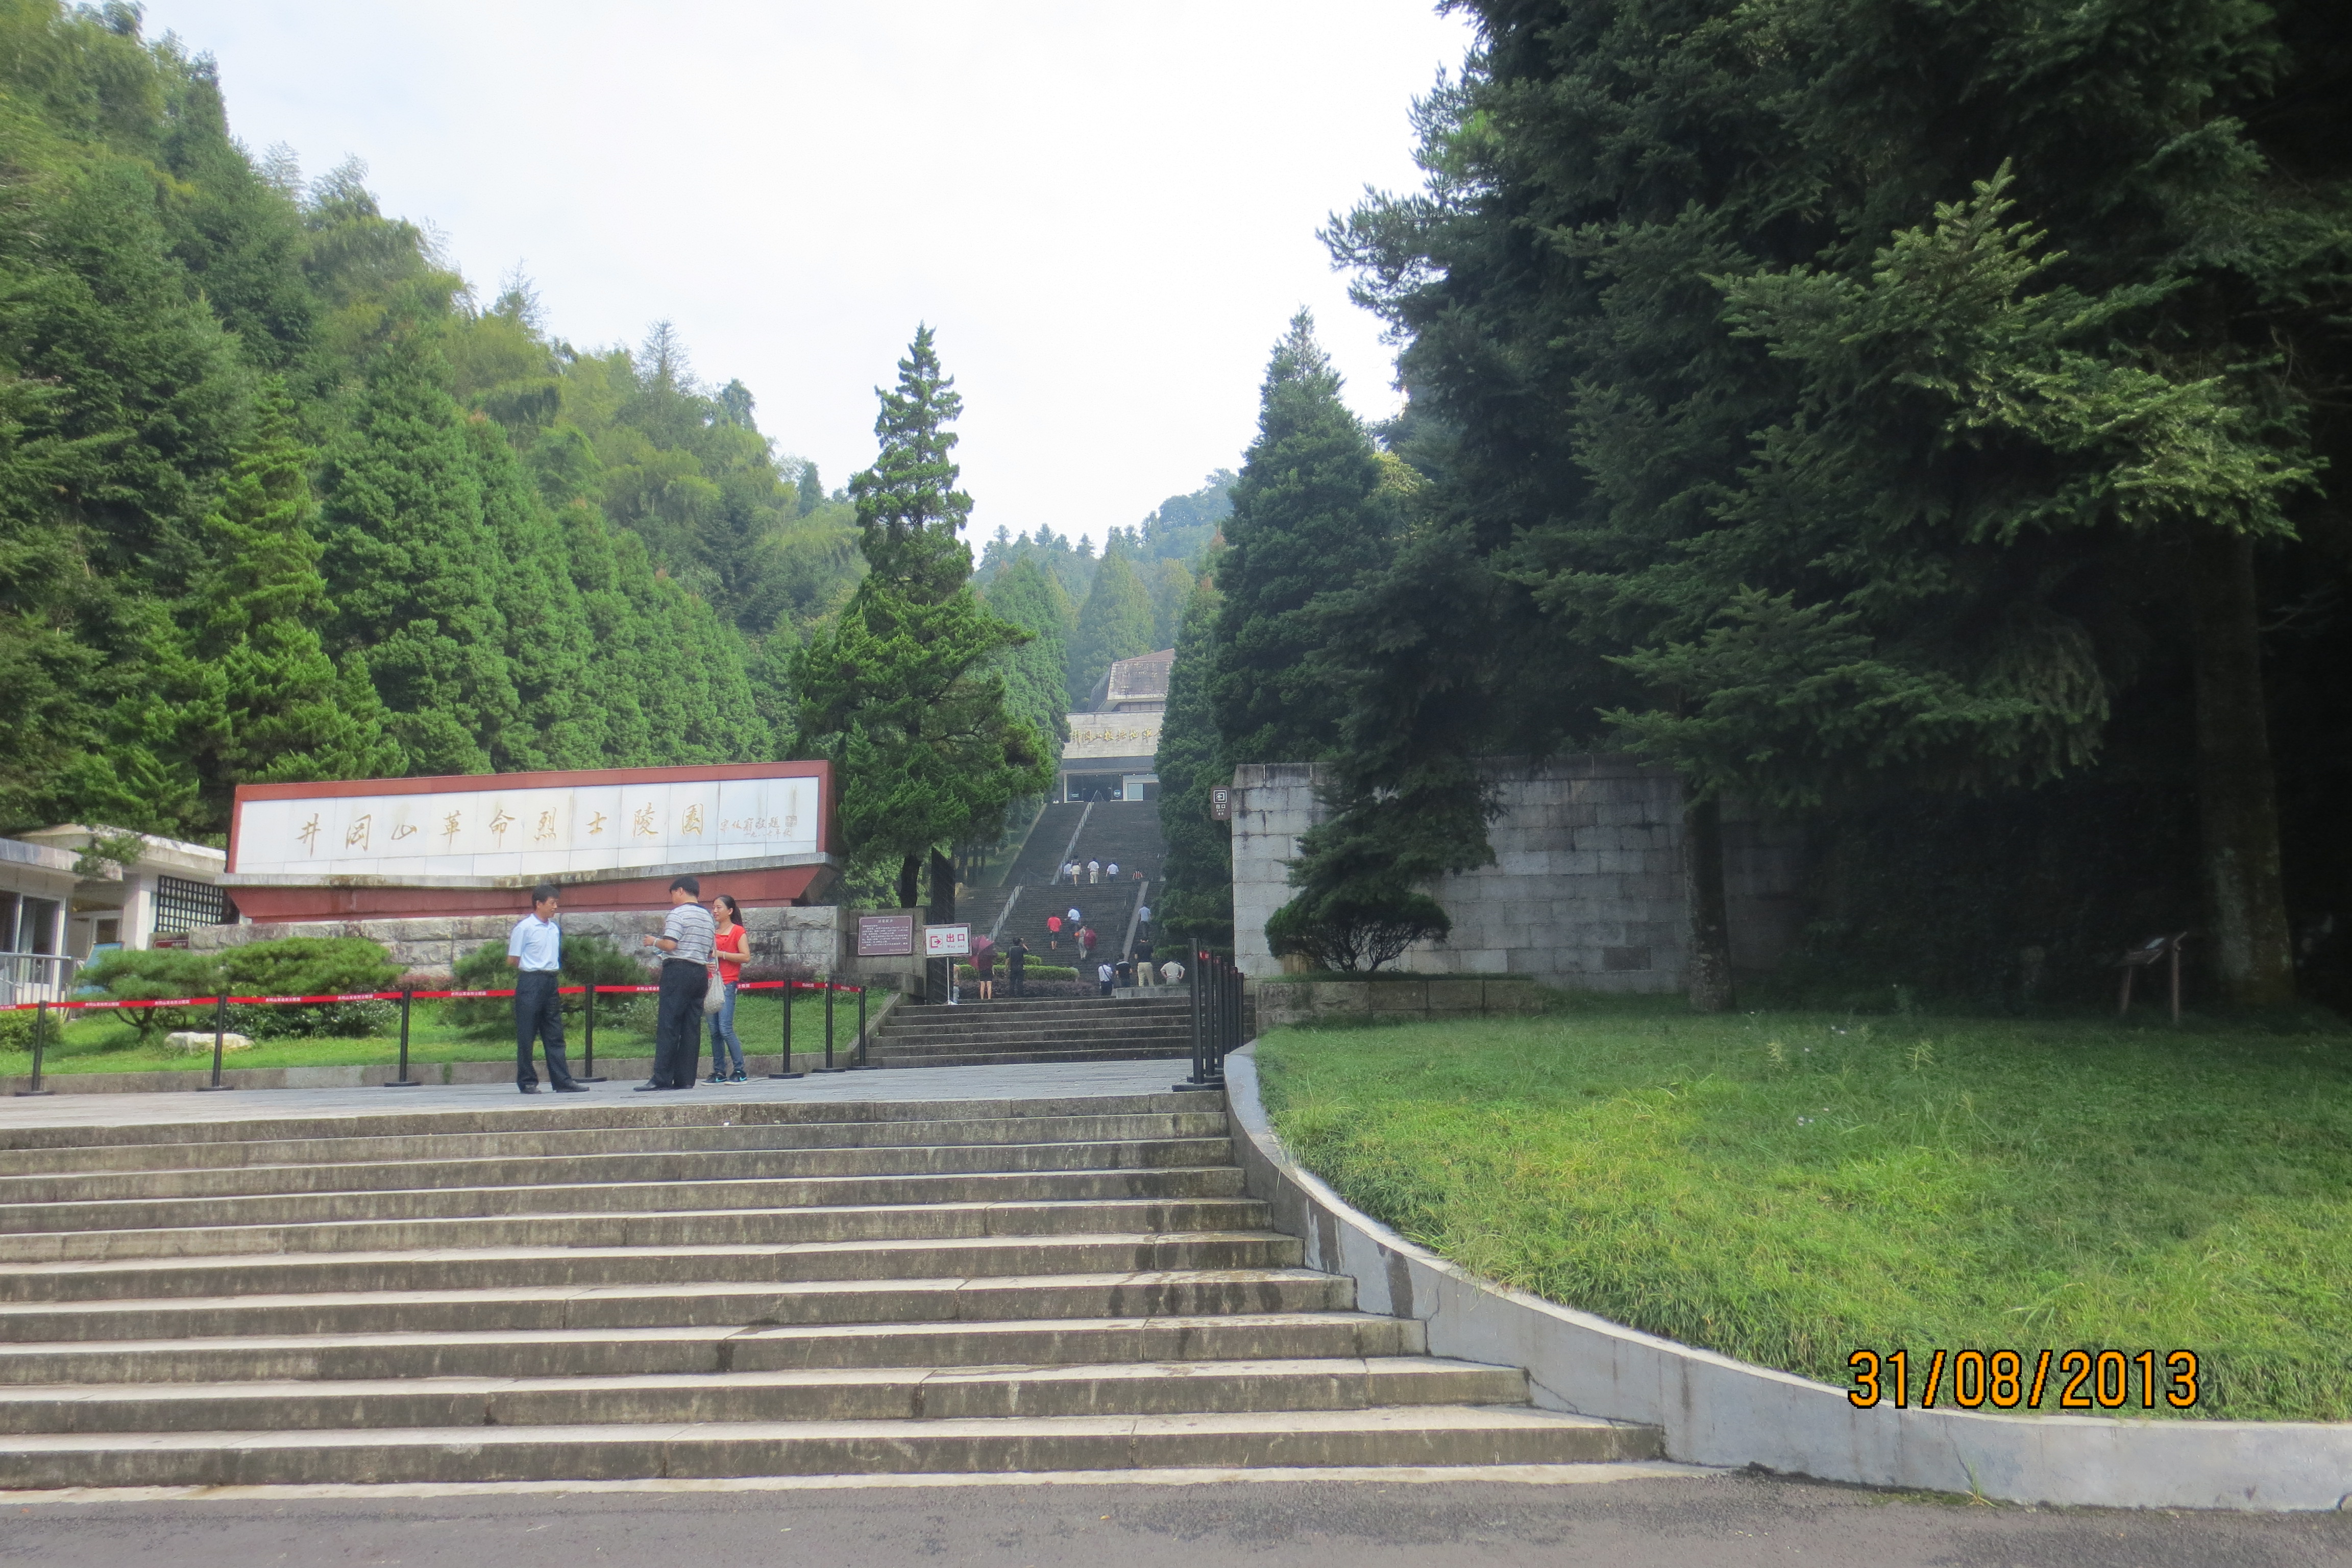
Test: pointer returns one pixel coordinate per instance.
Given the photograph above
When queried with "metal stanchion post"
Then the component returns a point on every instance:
(220, 1030)
(587, 1073)
(404, 1081)
(1198, 978)
(788, 1072)
(861, 1064)
(827, 983)
(40, 1037)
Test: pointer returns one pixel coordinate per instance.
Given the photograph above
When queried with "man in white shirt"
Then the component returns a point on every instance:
(535, 951)
(1094, 871)
(1107, 975)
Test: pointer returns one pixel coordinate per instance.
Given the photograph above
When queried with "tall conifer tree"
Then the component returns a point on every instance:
(1114, 624)
(412, 569)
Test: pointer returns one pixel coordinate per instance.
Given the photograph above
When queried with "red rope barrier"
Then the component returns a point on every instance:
(113, 1003)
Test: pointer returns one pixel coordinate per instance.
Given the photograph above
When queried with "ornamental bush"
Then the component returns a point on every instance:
(588, 960)
(292, 966)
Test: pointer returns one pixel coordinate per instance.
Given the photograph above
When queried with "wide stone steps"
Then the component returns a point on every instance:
(1183, 1293)
(745, 1288)
(667, 1228)
(717, 1349)
(61, 1194)
(859, 1394)
(86, 1161)
(1005, 1032)
(1420, 1435)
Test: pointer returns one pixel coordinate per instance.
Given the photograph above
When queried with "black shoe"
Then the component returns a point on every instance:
(644, 1087)
(528, 1087)
(571, 1088)
(739, 1077)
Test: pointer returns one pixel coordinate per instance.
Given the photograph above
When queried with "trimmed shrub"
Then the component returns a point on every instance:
(294, 967)
(588, 960)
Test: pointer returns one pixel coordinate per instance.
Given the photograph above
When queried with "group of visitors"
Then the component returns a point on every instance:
(698, 947)
(1137, 970)
(1095, 871)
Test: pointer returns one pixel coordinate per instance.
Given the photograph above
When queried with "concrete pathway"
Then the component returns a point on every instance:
(1057, 1080)
(1638, 1521)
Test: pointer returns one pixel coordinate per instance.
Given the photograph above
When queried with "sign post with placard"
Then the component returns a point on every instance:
(947, 941)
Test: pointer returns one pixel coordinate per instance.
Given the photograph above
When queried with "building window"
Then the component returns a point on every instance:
(182, 906)
(37, 925)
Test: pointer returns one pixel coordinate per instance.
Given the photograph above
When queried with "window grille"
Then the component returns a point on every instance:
(181, 905)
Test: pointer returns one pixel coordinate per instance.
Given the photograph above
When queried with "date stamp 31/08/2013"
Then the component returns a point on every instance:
(2008, 1380)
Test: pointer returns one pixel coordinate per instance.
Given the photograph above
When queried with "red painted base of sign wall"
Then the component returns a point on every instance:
(756, 890)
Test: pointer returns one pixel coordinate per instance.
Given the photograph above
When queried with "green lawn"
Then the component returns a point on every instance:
(1786, 1187)
(104, 1042)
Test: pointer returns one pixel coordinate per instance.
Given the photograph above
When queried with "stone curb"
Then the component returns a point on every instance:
(1718, 1411)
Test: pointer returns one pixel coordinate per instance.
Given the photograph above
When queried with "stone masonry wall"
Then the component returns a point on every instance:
(809, 939)
(1586, 888)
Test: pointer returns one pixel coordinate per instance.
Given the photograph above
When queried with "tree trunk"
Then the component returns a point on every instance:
(943, 884)
(909, 869)
(2237, 795)
(1709, 961)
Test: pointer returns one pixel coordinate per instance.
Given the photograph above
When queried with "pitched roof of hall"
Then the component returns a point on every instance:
(1143, 678)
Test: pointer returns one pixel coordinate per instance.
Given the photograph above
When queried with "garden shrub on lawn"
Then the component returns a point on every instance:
(292, 966)
(588, 960)
(1787, 1188)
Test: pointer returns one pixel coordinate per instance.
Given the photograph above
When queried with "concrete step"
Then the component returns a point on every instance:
(153, 1279)
(1016, 1058)
(614, 1197)
(670, 1228)
(538, 1309)
(548, 1142)
(715, 1349)
(1440, 1435)
(566, 1113)
(1106, 1034)
(864, 1393)
(51, 1202)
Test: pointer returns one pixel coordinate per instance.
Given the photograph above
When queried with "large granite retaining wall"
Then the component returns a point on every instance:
(808, 940)
(1586, 888)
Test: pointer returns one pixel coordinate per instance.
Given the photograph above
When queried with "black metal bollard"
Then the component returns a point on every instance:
(220, 1029)
(861, 1064)
(827, 983)
(404, 1081)
(588, 1073)
(790, 986)
(40, 1037)
(1200, 980)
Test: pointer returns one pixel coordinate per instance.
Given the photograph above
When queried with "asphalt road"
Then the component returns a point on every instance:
(1666, 1523)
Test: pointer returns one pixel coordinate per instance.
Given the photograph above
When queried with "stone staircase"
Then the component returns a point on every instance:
(716, 1289)
(1045, 1029)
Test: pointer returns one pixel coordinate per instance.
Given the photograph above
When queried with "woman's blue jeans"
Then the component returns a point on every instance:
(723, 1039)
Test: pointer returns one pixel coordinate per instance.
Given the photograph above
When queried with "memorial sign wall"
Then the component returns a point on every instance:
(611, 838)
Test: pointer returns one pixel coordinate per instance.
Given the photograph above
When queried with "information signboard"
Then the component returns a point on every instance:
(1221, 802)
(885, 936)
(947, 941)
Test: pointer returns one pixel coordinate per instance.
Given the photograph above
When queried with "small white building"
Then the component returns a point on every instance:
(167, 891)
(36, 888)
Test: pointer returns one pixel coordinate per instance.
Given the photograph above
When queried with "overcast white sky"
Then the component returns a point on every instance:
(1107, 209)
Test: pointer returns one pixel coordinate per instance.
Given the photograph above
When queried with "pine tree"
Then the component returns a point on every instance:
(1114, 624)
(549, 648)
(237, 687)
(902, 694)
(909, 515)
(1310, 514)
(1170, 588)
(413, 567)
(1026, 596)
(1196, 896)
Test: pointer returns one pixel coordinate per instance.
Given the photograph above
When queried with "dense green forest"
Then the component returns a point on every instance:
(1936, 434)
(281, 497)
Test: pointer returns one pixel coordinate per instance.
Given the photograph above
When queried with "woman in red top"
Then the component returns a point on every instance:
(727, 915)
(1054, 932)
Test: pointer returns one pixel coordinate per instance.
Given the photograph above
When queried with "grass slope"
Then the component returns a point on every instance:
(1788, 1187)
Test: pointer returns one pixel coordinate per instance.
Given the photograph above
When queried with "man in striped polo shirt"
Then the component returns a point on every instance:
(687, 937)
